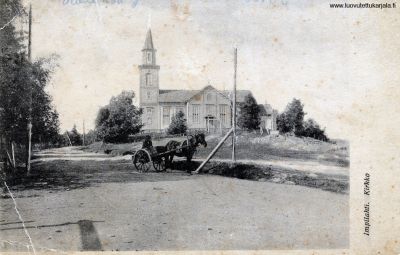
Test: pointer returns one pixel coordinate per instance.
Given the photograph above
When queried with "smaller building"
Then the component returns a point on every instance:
(268, 117)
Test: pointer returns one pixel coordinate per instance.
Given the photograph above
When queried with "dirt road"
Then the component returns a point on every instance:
(126, 210)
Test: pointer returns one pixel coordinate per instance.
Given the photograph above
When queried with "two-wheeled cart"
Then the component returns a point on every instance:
(144, 158)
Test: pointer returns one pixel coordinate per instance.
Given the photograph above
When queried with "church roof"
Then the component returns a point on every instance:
(148, 44)
(182, 96)
(176, 96)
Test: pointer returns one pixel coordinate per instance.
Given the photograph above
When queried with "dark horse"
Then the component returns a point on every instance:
(183, 149)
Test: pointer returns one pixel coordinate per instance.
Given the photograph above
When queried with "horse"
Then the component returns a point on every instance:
(183, 149)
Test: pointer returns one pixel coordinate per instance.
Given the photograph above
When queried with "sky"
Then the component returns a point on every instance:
(286, 49)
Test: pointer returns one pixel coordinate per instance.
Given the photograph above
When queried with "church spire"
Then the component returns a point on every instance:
(148, 44)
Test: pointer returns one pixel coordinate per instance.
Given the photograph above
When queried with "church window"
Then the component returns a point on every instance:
(148, 95)
(148, 79)
(196, 114)
(149, 57)
(166, 116)
(223, 113)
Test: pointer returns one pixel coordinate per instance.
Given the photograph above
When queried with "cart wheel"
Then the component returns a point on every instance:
(159, 164)
(142, 161)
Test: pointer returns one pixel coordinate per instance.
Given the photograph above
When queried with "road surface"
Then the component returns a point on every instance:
(172, 211)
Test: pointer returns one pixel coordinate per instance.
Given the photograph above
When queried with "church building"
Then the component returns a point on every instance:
(205, 109)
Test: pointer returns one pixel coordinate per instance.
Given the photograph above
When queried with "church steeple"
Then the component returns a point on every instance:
(149, 52)
(148, 44)
(149, 87)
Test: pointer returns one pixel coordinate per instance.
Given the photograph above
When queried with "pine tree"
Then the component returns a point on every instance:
(249, 114)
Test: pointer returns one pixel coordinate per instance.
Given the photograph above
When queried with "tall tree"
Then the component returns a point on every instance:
(249, 114)
(14, 73)
(291, 120)
(119, 119)
(20, 79)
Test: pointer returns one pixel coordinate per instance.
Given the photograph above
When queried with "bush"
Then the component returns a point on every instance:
(178, 124)
(249, 114)
(312, 129)
(119, 119)
(292, 121)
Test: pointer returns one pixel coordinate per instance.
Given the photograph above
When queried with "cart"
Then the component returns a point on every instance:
(143, 159)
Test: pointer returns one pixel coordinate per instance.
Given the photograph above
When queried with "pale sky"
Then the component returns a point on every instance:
(289, 49)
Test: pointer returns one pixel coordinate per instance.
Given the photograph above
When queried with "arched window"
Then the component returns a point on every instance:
(149, 57)
(148, 94)
(148, 79)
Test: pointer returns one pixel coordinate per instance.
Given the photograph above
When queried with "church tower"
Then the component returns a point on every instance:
(149, 87)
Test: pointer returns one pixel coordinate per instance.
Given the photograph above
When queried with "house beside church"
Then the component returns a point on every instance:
(206, 109)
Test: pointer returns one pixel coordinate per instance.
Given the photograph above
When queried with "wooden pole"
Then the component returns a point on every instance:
(83, 140)
(234, 108)
(232, 130)
(213, 151)
(70, 143)
(10, 159)
(28, 164)
(13, 153)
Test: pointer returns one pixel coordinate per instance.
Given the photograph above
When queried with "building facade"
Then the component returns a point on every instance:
(206, 109)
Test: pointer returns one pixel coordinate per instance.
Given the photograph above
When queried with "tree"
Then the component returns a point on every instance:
(45, 119)
(249, 114)
(119, 119)
(283, 123)
(90, 137)
(178, 124)
(75, 136)
(291, 120)
(21, 78)
(312, 129)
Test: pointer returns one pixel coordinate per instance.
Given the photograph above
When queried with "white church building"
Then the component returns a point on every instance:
(206, 109)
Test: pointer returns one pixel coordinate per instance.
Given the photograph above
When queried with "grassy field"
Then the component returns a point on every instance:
(253, 146)
(276, 159)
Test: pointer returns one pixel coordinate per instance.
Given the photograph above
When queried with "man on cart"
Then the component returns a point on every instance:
(148, 145)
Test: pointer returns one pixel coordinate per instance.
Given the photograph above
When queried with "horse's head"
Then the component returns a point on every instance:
(200, 139)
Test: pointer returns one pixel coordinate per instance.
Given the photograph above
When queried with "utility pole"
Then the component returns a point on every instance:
(83, 140)
(231, 131)
(28, 163)
(234, 108)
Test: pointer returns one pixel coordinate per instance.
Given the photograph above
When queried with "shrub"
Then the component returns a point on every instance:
(312, 129)
(178, 124)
